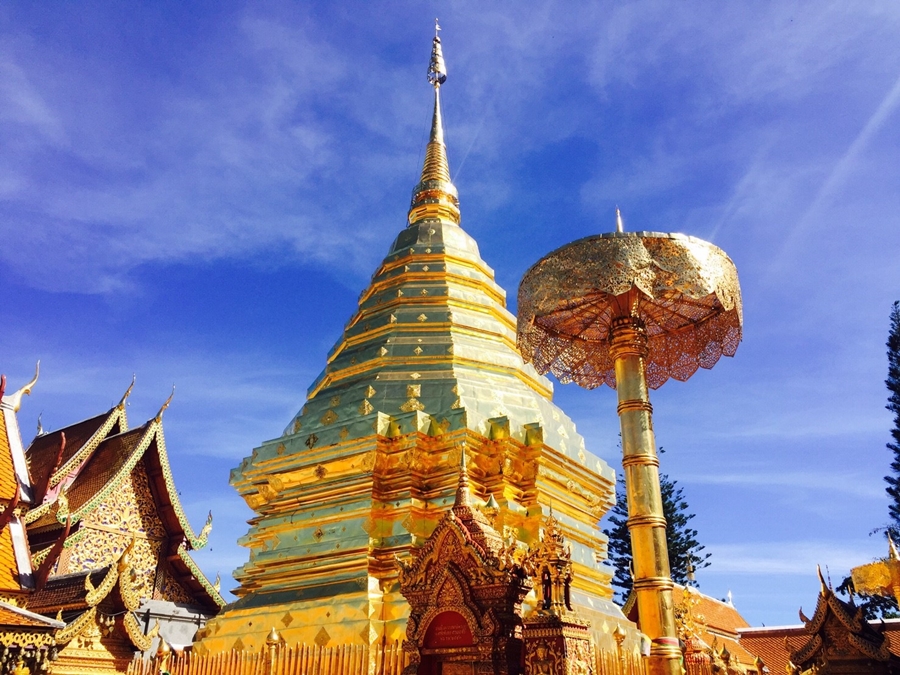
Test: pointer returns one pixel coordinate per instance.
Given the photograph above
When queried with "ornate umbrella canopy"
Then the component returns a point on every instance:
(683, 290)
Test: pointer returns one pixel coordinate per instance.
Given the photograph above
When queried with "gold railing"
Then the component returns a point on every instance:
(338, 660)
(283, 660)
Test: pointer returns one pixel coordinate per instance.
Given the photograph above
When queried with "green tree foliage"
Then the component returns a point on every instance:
(876, 607)
(893, 385)
(685, 552)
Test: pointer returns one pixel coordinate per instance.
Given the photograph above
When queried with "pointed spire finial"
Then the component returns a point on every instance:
(821, 579)
(14, 400)
(165, 405)
(437, 69)
(619, 226)
(892, 548)
(40, 426)
(435, 197)
(128, 391)
(273, 638)
(463, 497)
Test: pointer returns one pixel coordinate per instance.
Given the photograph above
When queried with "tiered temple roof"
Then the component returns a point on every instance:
(109, 486)
(837, 639)
(92, 527)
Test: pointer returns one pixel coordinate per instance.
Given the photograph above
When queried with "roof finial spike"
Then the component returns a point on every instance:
(14, 400)
(128, 391)
(437, 27)
(892, 548)
(619, 226)
(165, 405)
(821, 579)
(40, 426)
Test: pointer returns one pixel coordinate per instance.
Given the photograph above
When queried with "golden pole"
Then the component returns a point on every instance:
(652, 582)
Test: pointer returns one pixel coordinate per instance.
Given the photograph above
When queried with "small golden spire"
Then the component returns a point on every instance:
(435, 197)
(463, 497)
(892, 549)
(273, 638)
(619, 225)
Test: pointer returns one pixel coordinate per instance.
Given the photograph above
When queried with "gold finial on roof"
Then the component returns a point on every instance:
(435, 196)
(14, 401)
(821, 579)
(128, 391)
(619, 225)
(165, 405)
(892, 549)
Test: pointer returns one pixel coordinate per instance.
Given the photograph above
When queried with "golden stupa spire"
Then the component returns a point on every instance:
(435, 197)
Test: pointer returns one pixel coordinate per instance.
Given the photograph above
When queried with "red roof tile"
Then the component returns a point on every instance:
(41, 454)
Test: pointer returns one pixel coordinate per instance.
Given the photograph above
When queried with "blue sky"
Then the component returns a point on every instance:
(196, 193)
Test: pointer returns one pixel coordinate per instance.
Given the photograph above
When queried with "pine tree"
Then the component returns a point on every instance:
(875, 607)
(685, 552)
(619, 547)
(893, 385)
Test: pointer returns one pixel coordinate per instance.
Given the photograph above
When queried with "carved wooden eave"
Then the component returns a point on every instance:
(113, 461)
(117, 593)
(838, 632)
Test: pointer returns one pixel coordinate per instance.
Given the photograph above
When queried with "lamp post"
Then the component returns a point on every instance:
(631, 310)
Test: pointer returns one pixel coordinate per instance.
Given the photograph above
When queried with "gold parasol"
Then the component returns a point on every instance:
(631, 310)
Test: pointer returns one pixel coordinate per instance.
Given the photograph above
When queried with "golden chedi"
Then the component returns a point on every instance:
(426, 366)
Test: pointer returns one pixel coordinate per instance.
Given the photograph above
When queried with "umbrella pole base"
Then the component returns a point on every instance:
(646, 523)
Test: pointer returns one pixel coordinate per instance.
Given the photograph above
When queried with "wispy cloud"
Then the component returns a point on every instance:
(854, 485)
(791, 558)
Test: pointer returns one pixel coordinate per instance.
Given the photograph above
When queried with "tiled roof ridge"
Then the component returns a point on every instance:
(79, 459)
(194, 569)
(195, 541)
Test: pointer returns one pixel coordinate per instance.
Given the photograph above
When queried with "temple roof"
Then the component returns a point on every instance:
(105, 469)
(835, 617)
(99, 455)
(837, 634)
